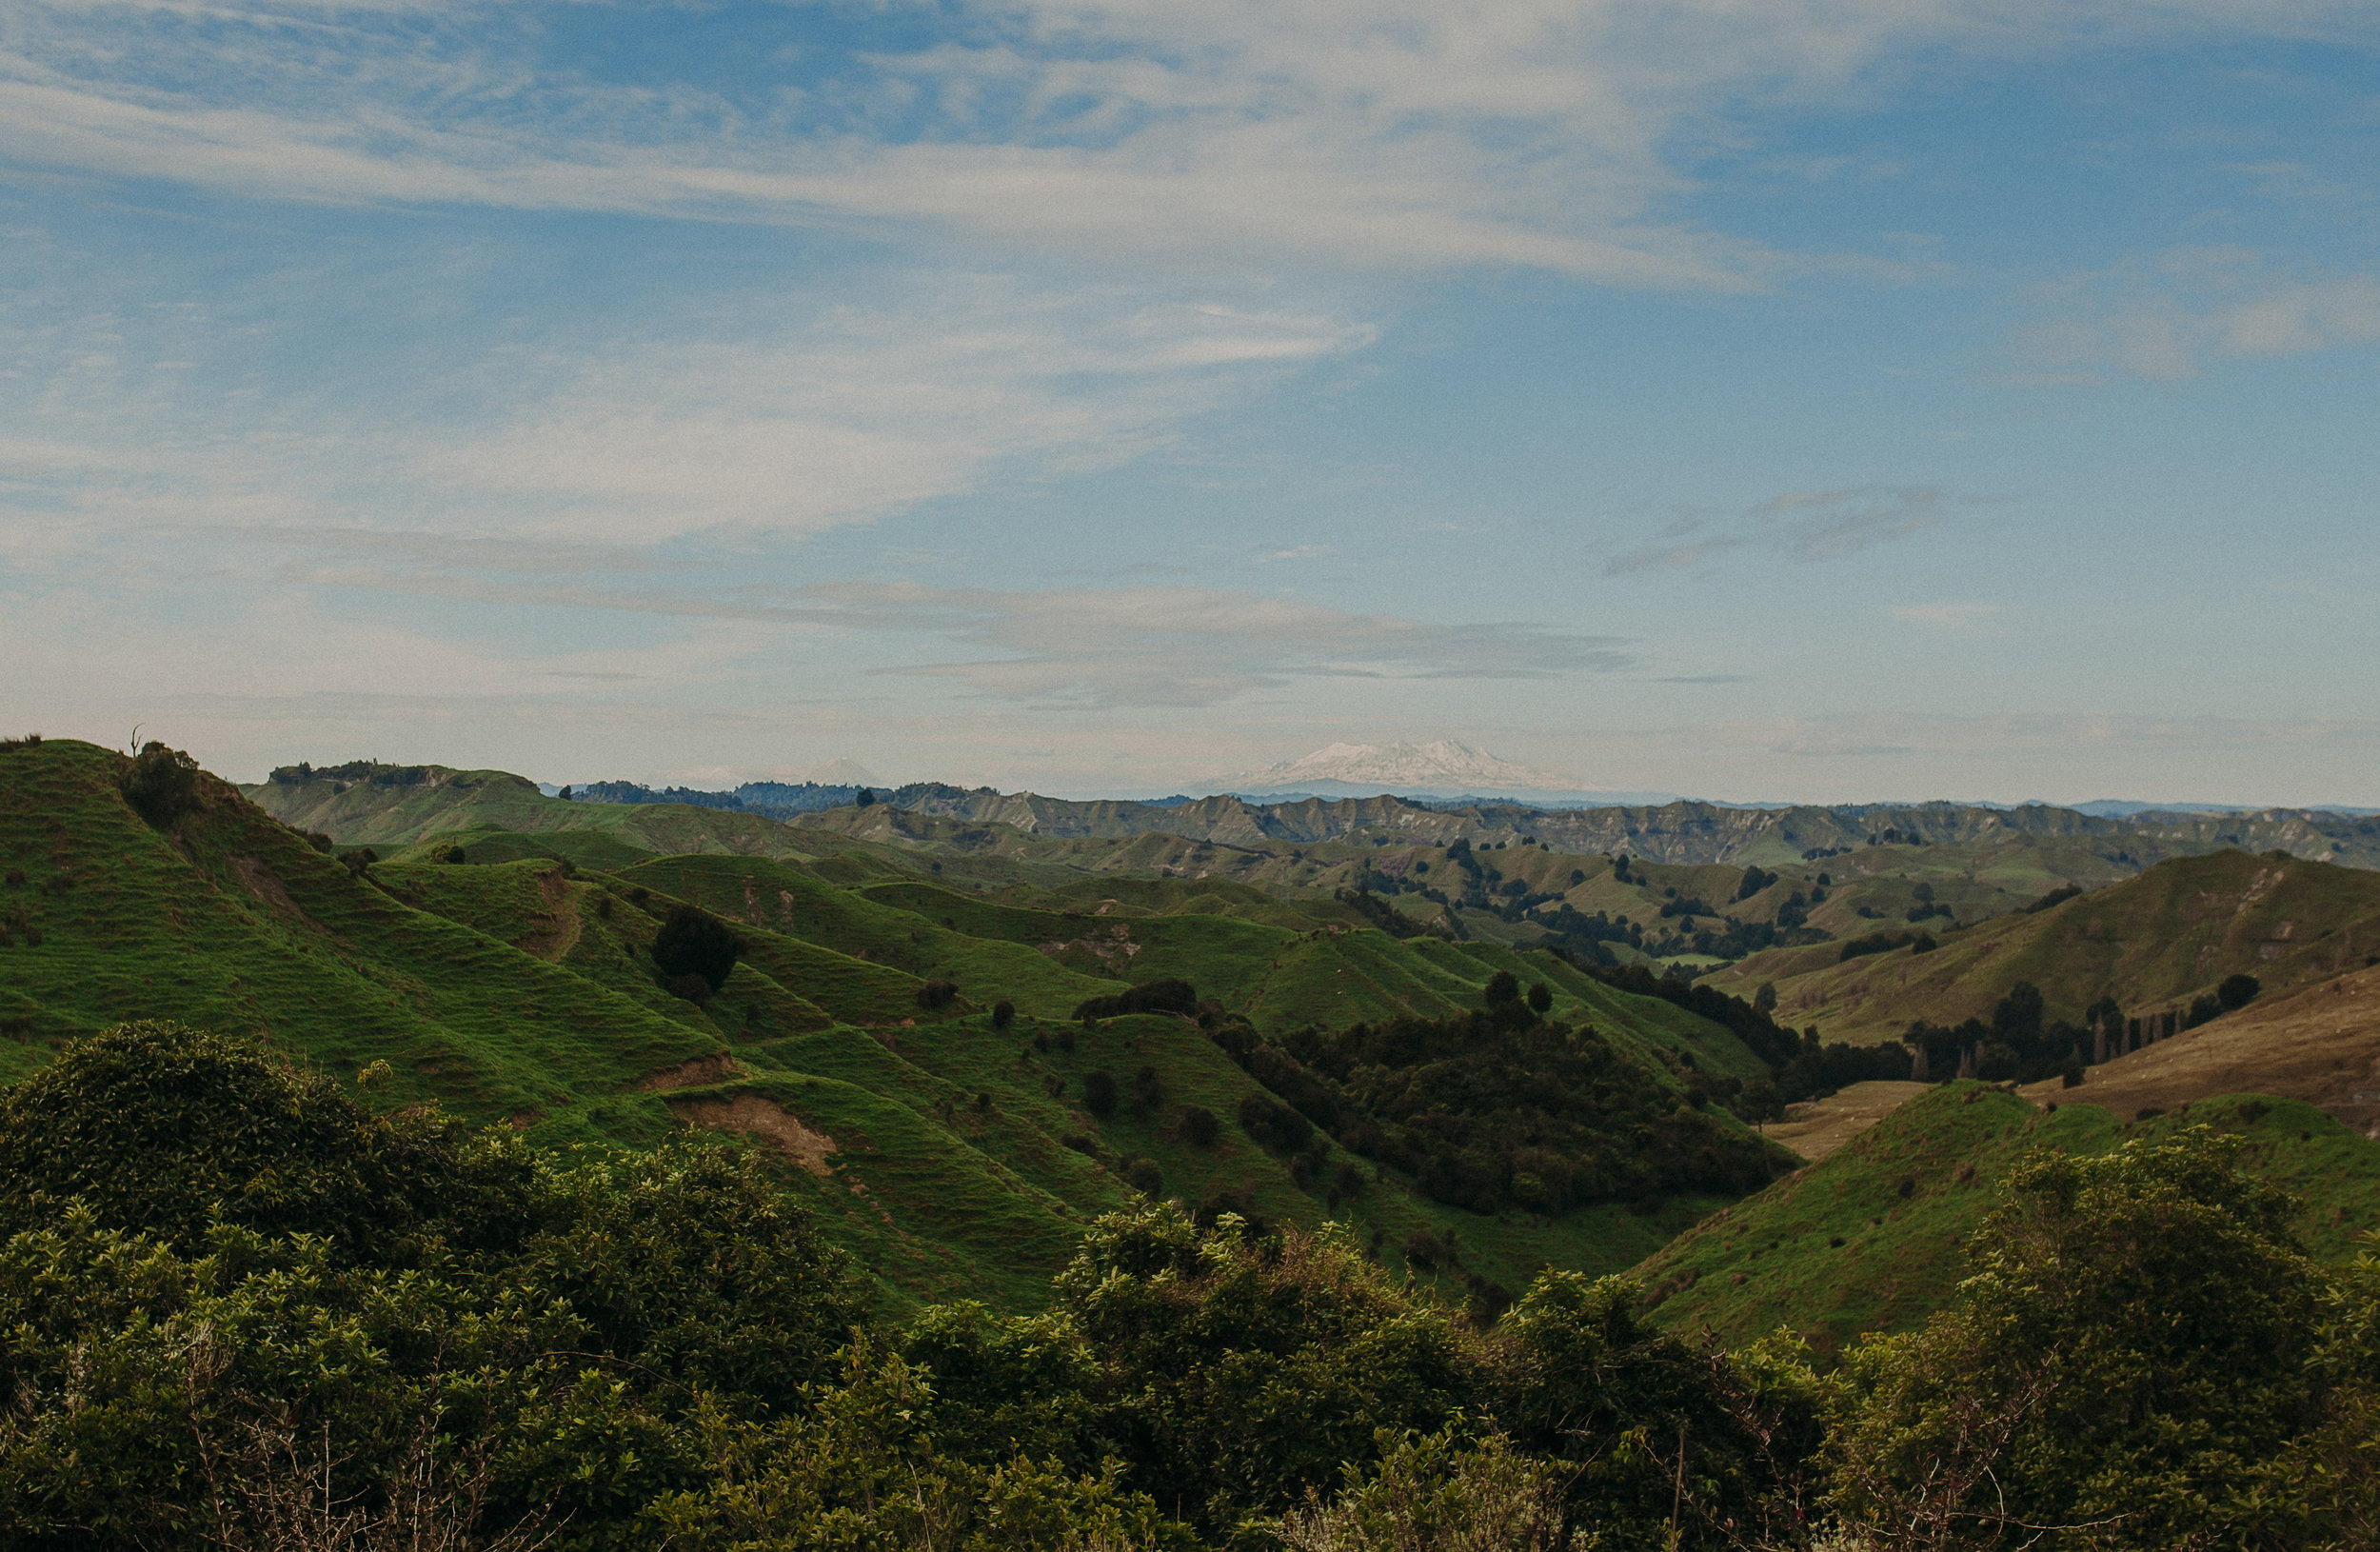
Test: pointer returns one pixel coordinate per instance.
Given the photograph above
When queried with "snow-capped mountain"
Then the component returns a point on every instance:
(844, 773)
(1442, 767)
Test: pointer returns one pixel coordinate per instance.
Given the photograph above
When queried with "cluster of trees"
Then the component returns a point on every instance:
(240, 1309)
(1497, 1108)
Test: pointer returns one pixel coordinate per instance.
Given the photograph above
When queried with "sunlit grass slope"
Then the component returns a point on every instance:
(517, 984)
(231, 921)
(2152, 942)
(1870, 1238)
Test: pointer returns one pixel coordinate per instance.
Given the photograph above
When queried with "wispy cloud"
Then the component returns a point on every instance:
(1113, 647)
(1538, 133)
(1803, 526)
(2166, 319)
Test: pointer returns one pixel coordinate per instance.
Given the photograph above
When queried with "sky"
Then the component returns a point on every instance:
(1761, 399)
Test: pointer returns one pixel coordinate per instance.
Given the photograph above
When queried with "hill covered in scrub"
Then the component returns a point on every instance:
(906, 1040)
(2154, 944)
(1874, 1237)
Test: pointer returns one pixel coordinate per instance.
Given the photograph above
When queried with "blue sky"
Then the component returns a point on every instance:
(1837, 400)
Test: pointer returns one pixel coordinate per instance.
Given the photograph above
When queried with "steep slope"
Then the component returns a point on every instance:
(953, 1157)
(2319, 1043)
(2152, 943)
(228, 919)
(1869, 1238)
(367, 804)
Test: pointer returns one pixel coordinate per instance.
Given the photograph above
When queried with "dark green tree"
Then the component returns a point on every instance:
(2131, 1362)
(161, 784)
(693, 942)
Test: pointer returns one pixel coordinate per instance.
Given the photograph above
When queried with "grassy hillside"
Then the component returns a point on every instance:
(1869, 1238)
(2319, 1043)
(389, 806)
(515, 983)
(2152, 943)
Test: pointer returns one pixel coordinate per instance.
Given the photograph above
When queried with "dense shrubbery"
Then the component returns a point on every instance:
(1152, 997)
(1494, 1109)
(161, 784)
(239, 1309)
(693, 942)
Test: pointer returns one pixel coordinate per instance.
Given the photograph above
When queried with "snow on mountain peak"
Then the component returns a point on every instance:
(1441, 765)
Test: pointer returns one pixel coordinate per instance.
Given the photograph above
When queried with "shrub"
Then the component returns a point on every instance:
(1504, 987)
(693, 988)
(161, 784)
(935, 995)
(1099, 1092)
(1540, 997)
(1198, 1126)
(320, 842)
(1275, 1129)
(1145, 1177)
(1003, 1014)
(449, 854)
(359, 859)
(2237, 991)
(160, 1129)
(1171, 996)
(694, 942)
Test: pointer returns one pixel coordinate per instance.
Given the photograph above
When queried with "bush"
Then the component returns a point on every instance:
(1099, 1092)
(1198, 1126)
(694, 988)
(935, 995)
(161, 784)
(1540, 997)
(695, 942)
(161, 1129)
(1277, 1128)
(1504, 987)
(1003, 1013)
(2237, 991)
(1154, 997)
(449, 854)
(1145, 1177)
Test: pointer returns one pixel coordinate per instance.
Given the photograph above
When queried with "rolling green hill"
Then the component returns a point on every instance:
(1868, 1239)
(505, 973)
(2152, 942)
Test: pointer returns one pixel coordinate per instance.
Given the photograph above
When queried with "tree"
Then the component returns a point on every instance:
(1003, 1013)
(161, 784)
(2134, 1343)
(2237, 991)
(693, 942)
(1504, 987)
(1099, 1092)
(1540, 997)
(865, 798)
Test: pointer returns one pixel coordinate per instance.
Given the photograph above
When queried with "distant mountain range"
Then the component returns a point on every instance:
(1440, 769)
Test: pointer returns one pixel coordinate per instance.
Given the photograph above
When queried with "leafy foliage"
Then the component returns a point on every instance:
(693, 942)
(161, 784)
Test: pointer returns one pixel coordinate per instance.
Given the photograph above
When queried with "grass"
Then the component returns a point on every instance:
(2152, 941)
(518, 987)
(1869, 1238)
